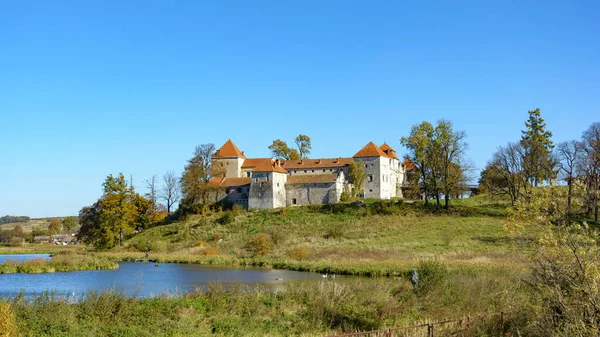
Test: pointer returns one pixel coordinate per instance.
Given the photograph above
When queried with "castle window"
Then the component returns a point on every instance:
(370, 177)
(294, 171)
(366, 165)
(304, 171)
(371, 164)
(247, 174)
(277, 184)
(294, 201)
(370, 190)
(227, 191)
(313, 171)
(323, 170)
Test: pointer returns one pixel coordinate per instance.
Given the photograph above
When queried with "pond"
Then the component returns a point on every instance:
(143, 279)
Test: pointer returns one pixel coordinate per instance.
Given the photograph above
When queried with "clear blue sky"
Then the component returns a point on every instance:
(89, 88)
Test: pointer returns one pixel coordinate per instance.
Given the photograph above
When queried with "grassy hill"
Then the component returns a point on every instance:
(377, 238)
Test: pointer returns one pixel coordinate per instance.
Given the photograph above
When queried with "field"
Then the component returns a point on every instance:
(467, 264)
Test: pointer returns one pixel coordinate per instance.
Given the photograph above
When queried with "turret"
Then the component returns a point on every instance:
(228, 160)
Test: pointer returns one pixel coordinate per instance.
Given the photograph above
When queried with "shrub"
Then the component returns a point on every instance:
(227, 218)
(237, 209)
(431, 273)
(8, 323)
(16, 241)
(278, 235)
(260, 244)
(345, 196)
(210, 251)
(158, 246)
(334, 232)
(300, 253)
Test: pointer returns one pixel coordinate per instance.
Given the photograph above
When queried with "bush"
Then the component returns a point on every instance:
(345, 196)
(210, 251)
(300, 253)
(431, 273)
(260, 244)
(8, 323)
(334, 232)
(227, 218)
(278, 235)
(16, 241)
(237, 209)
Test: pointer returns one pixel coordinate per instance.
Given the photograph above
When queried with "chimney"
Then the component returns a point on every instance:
(277, 162)
(319, 162)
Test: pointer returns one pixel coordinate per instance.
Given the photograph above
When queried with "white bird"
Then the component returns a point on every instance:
(324, 276)
(279, 279)
(332, 276)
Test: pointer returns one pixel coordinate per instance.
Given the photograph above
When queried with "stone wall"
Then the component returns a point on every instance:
(267, 190)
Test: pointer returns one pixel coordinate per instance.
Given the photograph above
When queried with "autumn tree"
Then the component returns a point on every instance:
(538, 164)
(55, 226)
(116, 214)
(196, 185)
(357, 174)
(170, 192)
(280, 150)
(304, 145)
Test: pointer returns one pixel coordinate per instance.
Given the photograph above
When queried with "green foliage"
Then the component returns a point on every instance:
(538, 163)
(357, 175)
(304, 146)
(114, 216)
(237, 209)
(344, 197)
(281, 150)
(70, 223)
(197, 175)
(227, 218)
(431, 273)
(13, 219)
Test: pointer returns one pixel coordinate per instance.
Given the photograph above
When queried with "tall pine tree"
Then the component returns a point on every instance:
(538, 164)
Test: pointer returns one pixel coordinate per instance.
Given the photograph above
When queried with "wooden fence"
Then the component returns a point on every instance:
(463, 327)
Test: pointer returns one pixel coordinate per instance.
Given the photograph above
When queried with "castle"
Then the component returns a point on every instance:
(257, 183)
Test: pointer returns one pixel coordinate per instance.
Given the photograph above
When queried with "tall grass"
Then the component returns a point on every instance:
(58, 263)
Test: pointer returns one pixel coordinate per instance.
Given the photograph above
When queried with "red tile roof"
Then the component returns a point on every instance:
(253, 162)
(370, 150)
(269, 166)
(312, 178)
(229, 150)
(408, 165)
(388, 151)
(315, 163)
(227, 182)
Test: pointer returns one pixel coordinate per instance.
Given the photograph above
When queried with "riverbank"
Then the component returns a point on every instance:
(61, 262)
(301, 308)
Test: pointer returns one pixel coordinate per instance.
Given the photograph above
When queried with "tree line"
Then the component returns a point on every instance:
(13, 219)
(534, 161)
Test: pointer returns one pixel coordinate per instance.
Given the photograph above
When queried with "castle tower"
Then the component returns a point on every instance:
(228, 160)
(376, 164)
(267, 187)
(393, 170)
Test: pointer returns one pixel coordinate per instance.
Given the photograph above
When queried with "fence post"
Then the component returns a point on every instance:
(388, 333)
(469, 326)
(430, 330)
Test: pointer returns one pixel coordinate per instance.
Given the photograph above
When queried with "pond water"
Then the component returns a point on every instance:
(144, 279)
(24, 257)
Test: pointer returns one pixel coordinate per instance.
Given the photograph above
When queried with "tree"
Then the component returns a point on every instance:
(589, 167)
(170, 192)
(152, 194)
(18, 230)
(567, 156)
(419, 146)
(70, 223)
(504, 174)
(439, 154)
(55, 226)
(303, 144)
(538, 163)
(114, 215)
(280, 150)
(357, 174)
(196, 179)
(450, 147)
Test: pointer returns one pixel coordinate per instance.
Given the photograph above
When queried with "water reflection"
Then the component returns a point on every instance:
(144, 279)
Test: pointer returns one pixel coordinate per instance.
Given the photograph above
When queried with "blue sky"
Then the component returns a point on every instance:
(89, 88)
